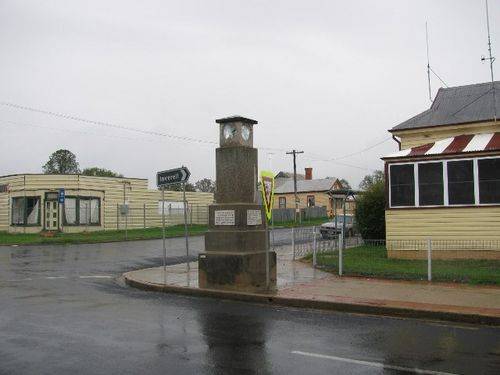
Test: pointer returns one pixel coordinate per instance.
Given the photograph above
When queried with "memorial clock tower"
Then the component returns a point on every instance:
(235, 244)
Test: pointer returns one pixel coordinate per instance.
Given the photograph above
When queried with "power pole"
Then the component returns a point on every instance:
(294, 153)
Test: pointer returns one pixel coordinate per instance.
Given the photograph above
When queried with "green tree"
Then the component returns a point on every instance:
(61, 162)
(205, 185)
(100, 172)
(371, 179)
(370, 212)
(178, 187)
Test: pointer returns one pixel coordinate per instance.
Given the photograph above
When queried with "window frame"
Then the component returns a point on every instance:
(415, 184)
(444, 163)
(313, 200)
(279, 202)
(77, 211)
(444, 181)
(25, 211)
(476, 181)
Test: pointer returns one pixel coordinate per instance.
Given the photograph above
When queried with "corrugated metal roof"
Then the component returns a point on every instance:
(303, 186)
(457, 105)
(453, 145)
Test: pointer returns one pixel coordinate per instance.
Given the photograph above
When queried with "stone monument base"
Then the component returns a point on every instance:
(242, 272)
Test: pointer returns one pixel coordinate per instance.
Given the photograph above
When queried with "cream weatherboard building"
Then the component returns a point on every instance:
(312, 193)
(29, 203)
(444, 183)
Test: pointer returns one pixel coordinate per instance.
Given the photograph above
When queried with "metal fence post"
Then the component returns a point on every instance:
(341, 247)
(314, 248)
(117, 216)
(429, 260)
(293, 242)
(144, 214)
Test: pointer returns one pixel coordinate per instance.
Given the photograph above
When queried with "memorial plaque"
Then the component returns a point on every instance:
(254, 217)
(224, 217)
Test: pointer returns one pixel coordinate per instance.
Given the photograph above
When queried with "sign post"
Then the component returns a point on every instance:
(61, 198)
(185, 225)
(267, 188)
(163, 232)
(164, 179)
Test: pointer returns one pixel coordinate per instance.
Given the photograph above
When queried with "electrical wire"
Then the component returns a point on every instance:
(106, 124)
(167, 135)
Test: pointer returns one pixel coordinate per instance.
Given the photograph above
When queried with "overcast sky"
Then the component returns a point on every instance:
(325, 77)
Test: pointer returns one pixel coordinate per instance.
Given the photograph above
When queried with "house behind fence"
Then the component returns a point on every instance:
(29, 203)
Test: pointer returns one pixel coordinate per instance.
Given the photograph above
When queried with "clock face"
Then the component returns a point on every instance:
(245, 132)
(229, 131)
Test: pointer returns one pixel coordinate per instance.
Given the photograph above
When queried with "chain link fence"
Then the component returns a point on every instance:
(149, 215)
(470, 261)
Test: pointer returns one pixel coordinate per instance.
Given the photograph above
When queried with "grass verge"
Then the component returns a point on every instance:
(372, 261)
(98, 236)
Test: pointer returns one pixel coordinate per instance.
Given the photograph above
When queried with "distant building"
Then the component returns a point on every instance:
(444, 183)
(29, 203)
(310, 193)
(283, 177)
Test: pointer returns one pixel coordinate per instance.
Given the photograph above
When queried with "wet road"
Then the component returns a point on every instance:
(62, 311)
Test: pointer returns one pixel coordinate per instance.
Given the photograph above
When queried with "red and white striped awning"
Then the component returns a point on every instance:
(454, 145)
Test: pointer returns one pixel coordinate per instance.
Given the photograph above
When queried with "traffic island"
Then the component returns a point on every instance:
(300, 285)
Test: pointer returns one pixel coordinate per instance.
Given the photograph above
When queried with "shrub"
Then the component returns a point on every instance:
(370, 212)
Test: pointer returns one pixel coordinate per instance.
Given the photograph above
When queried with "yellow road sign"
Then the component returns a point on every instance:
(267, 181)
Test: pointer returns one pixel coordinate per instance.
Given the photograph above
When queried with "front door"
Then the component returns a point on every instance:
(51, 215)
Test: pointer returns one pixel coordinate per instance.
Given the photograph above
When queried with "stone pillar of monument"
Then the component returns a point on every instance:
(235, 244)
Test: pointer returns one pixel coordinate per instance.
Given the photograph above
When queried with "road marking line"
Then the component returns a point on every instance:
(96, 277)
(372, 364)
(55, 277)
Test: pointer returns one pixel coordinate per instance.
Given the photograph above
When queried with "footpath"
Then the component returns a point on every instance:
(300, 285)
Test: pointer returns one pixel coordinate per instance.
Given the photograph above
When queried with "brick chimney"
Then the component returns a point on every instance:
(309, 173)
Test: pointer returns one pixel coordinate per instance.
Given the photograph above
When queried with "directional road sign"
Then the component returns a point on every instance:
(61, 197)
(172, 176)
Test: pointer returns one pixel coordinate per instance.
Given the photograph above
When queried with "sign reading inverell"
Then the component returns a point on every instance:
(267, 180)
(172, 176)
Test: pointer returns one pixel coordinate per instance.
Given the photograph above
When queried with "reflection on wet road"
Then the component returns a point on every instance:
(63, 311)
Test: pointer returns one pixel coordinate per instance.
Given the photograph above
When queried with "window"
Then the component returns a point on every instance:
(461, 182)
(430, 184)
(310, 201)
(70, 211)
(466, 182)
(282, 202)
(89, 211)
(402, 185)
(489, 180)
(26, 211)
(82, 211)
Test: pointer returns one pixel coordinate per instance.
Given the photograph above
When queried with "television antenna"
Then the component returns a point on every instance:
(491, 59)
(429, 69)
(428, 62)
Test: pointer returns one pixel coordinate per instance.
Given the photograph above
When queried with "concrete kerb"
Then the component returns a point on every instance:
(317, 304)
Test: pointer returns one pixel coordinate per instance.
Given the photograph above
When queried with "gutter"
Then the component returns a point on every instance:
(397, 141)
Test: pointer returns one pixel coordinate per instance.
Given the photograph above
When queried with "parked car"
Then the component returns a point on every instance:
(329, 230)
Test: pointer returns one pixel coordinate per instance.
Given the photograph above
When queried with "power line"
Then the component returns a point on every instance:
(36, 126)
(105, 124)
(160, 134)
(340, 163)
